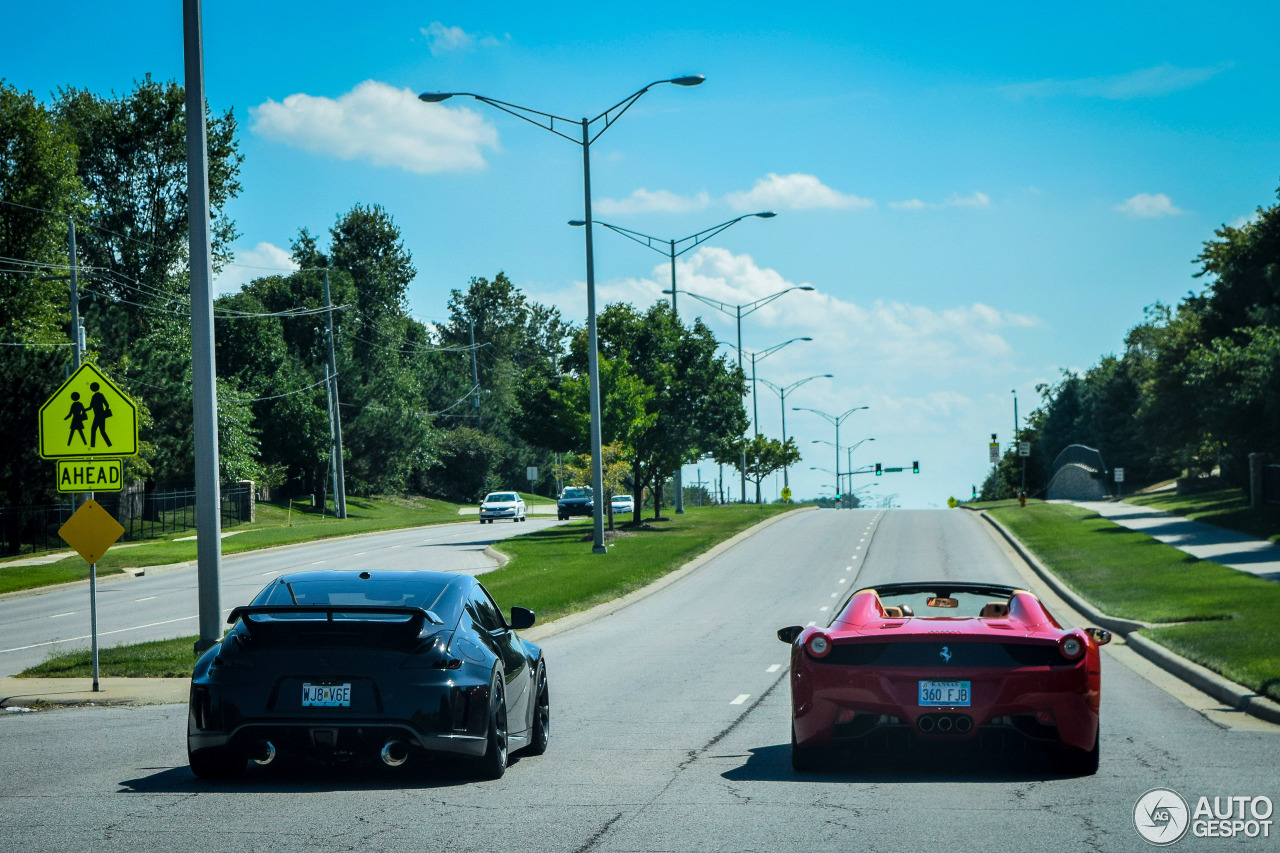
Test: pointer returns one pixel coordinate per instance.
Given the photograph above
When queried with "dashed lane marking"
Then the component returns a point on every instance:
(148, 598)
(60, 615)
(774, 668)
(740, 698)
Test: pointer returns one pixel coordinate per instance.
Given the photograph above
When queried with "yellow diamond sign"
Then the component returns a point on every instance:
(88, 416)
(91, 531)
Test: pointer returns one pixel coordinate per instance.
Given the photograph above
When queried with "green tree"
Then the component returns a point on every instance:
(767, 455)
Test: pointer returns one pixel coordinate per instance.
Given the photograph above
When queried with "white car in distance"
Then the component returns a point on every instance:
(502, 505)
(623, 503)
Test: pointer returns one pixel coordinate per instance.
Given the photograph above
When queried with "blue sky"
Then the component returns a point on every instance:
(981, 196)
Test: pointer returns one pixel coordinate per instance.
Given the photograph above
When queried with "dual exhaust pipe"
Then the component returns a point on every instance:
(393, 753)
(945, 724)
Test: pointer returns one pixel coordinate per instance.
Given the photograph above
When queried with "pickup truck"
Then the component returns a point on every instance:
(575, 500)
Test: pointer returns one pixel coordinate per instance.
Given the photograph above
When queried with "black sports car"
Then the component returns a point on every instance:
(344, 665)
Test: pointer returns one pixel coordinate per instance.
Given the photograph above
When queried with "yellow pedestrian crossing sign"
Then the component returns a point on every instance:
(88, 416)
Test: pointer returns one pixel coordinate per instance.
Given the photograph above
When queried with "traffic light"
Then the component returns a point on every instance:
(879, 470)
(915, 467)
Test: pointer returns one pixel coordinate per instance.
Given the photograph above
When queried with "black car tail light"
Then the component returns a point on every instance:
(432, 653)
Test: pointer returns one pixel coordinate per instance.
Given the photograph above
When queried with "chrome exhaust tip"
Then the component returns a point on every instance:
(964, 724)
(264, 753)
(944, 724)
(394, 753)
(925, 723)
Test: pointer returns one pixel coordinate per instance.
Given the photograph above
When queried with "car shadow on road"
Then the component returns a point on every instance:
(773, 764)
(302, 777)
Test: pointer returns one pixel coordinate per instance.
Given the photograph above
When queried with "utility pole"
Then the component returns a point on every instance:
(475, 378)
(203, 377)
(75, 297)
(339, 475)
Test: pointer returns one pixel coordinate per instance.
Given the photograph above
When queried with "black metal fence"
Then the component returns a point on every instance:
(1271, 484)
(32, 529)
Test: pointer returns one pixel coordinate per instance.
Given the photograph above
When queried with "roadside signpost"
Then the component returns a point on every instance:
(786, 492)
(1118, 473)
(91, 531)
(89, 462)
(994, 450)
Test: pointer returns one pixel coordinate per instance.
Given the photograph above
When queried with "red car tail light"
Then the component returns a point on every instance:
(818, 645)
(1045, 717)
(1071, 647)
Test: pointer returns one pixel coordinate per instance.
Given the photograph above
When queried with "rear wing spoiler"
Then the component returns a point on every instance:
(329, 610)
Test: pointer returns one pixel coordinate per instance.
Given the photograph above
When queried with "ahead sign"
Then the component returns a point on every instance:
(88, 400)
(90, 475)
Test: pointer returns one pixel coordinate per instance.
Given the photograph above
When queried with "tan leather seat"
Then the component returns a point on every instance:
(995, 610)
(893, 612)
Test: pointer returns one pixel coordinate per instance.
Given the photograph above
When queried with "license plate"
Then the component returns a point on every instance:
(326, 695)
(936, 693)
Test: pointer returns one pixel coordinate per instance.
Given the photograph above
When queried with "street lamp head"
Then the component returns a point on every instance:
(806, 287)
(806, 339)
(577, 223)
(691, 80)
(434, 97)
(765, 214)
(667, 292)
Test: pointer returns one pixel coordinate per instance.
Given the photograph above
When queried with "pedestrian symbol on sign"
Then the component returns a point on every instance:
(64, 416)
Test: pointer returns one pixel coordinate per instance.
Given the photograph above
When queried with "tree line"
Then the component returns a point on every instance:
(1196, 388)
(450, 409)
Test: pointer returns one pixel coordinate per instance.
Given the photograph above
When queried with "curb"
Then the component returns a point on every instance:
(1227, 692)
(497, 556)
(574, 620)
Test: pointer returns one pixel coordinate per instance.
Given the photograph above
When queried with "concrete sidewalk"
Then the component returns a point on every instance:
(24, 692)
(1204, 541)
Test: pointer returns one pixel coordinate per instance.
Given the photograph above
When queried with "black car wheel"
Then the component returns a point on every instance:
(1080, 762)
(541, 734)
(494, 761)
(804, 759)
(216, 763)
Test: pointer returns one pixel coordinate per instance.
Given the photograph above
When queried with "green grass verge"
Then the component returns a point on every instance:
(1227, 508)
(552, 572)
(275, 525)
(159, 659)
(1230, 623)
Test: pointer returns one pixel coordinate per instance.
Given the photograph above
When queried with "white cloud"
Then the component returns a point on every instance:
(976, 199)
(264, 259)
(1143, 83)
(794, 192)
(1148, 206)
(442, 39)
(382, 125)
(658, 201)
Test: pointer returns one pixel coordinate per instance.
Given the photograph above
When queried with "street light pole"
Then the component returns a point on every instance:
(739, 313)
(547, 121)
(782, 396)
(755, 409)
(835, 420)
(668, 248)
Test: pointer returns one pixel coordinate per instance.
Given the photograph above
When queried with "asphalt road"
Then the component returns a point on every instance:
(670, 733)
(164, 602)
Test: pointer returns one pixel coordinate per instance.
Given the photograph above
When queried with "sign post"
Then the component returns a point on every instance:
(88, 396)
(1119, 476)
(91, 531)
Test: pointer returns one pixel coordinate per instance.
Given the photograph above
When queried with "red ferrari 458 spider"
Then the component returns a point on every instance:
(934, 662)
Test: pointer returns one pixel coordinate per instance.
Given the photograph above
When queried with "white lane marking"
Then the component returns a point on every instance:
(774, 668)
(317, 562)
(358, 554)
(740, 698)
(60, 615)
(834, 594)
(842, 580)
(848, 568)
(148, 598)
(859, 548)
(811, 624)
(269, 574)
(100, 634)
(823, 609)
